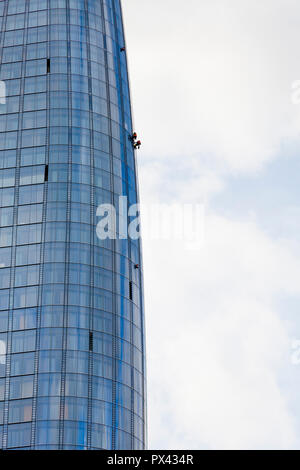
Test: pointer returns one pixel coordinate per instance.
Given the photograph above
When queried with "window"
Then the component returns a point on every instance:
(76, 409)
(59, 117)
(6, 216)
(91, 341)
(76, 385)
(51, 338)
(49, 384)
(2, 388)
(4, 299)
(59, 65)
(37, 34)
(48, 408)
(50, 361)
(35, 84)
(1, 412)
(24, 319)
(25, 297)
(12, 104)
(16, 6)
(32, 175)
(13, 87)
(102, 437)
(20, 411)
(34, 119)
(9, 122)
(37, 51)
(5, 236)
(2, 352)
(37, 18)
(31, 194)
(33, 156)
(14, 38)
(102, 412)
(80, 84)
(77, 50)
(33, 137)
(58, 32)
(15, 22)
(29, 234)
(22, 364)
(52, 316)
(12, 54)
(27, 255)
(56, 211)
(58, 15)
(4, 283)
(26, 275)
(53, 294)
(35, 102)
(30, 214)
(37, 5)
(21, 387)
(8, 141)
(59, 135)
(47, 434)
(19, 435)
(78, 339)
(23, 341)
(8, 71)
(77, 361)
(5, 257)
(102, 389)
(7, 197)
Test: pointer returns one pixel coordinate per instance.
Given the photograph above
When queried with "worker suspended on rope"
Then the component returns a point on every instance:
(133, 137)
(137, 144)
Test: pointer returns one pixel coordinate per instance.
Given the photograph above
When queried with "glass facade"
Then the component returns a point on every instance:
(72, 359)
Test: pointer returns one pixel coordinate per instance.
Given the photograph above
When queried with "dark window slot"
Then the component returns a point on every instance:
(46, 173)
(91, 341)
(130, 290)
(48, 65)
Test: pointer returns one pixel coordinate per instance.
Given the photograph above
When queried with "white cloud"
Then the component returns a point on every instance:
(216, 344)
(211, 84)
(214, 78)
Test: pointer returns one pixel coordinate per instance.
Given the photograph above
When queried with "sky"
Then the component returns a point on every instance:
(212, 91)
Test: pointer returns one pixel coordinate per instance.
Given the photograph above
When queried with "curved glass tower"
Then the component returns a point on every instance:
(72, 361)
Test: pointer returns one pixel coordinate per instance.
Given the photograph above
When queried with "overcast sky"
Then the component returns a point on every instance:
(211, 86)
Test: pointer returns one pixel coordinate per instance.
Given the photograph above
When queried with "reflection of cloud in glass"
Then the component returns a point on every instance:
(2, 352)
(2, 92)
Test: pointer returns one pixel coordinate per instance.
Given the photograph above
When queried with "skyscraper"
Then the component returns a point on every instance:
(72, 360)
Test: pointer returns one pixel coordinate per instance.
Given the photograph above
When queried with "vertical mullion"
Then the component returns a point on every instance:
(14, 235)
(67, 241)
(92, 235)
(113, 243)
(42, 253)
